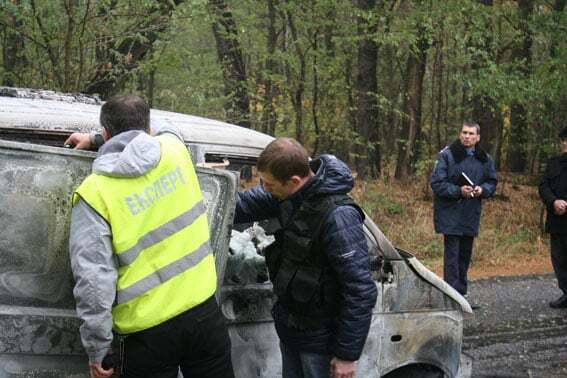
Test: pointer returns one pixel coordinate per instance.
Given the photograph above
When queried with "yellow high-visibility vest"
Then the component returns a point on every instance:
(160, 236)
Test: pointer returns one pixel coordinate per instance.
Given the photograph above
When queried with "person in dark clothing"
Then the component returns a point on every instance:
(553, 193)
(318, 264)
(457, 204)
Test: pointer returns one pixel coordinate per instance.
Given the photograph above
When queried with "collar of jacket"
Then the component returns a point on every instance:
(460, 152)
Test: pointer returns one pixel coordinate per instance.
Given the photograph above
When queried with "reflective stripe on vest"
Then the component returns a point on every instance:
(160, 236)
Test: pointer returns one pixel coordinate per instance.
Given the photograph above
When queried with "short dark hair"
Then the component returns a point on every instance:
(563, 133)
(472, 124)
(284, 158)
(123, 113)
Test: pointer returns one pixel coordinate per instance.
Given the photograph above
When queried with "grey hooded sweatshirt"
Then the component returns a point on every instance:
(95, 269)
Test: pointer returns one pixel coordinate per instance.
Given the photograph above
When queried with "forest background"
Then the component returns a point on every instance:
(382, 84)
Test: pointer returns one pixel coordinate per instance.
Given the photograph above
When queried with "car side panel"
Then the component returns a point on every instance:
(40, 330)
(432, 338)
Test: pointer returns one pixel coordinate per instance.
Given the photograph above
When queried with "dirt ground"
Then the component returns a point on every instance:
(538, 264)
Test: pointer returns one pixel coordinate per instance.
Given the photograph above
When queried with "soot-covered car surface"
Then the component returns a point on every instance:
(416, 329)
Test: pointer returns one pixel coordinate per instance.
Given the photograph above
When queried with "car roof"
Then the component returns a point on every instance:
(53, 112)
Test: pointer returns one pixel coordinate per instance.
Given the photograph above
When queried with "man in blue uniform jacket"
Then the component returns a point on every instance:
(318, 263)
(457, 204)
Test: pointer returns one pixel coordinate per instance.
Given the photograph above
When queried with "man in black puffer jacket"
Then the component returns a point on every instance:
(553, 192)
(319, 262)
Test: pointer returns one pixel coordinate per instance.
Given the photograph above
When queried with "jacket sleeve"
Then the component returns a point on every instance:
(440, 183)
(254, 205)
(491, 180)
(95, 271)
(345, 245)
(545, 192)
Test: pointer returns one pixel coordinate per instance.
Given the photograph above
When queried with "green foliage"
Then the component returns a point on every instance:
(522, 235)
(471, 53)
(433, 249)
(375, 202)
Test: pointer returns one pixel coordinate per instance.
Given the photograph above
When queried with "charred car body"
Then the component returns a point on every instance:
(416, 328)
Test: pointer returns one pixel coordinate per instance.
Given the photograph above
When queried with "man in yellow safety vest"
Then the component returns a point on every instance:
(140, 253)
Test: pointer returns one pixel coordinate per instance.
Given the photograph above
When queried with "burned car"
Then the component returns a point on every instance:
(416, 329)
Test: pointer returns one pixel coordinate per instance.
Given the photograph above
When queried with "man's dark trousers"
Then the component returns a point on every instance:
(458, 252)
(300, 364)
(197, 341)
(558, 243)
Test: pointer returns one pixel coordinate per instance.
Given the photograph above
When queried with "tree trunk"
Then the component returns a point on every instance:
(557, 9)
(67, 46)
(315, 101)
(12, 51)
(411, 124)
(230, 57)
(518, 127)
(484, 108)
(83, 26)
(439, 69)
(392, 88)
(351, 110)
(556, 108)
(268, 113)
(486, 113)
(297, 92)
(118, 60)
(367, 160)
(51, 53)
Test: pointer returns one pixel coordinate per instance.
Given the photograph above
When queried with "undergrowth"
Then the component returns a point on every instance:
(510, 230)
(510, 240)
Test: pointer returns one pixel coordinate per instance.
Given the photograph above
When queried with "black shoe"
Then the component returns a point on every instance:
(559, 303)
(474, 305)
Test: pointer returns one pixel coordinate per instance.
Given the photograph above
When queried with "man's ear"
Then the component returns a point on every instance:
(105, 134)
(295, 180)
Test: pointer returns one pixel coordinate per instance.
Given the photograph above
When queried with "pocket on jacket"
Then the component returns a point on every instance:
(305, 283)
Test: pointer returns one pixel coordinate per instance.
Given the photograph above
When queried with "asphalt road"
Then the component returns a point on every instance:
(515, 333)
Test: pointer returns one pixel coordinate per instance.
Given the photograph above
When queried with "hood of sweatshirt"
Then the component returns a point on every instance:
(128, 154)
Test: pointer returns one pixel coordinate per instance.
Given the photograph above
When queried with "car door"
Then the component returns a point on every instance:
(39, 334)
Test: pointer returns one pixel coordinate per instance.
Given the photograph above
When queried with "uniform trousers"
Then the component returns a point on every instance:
(196, 342)
(457, 258)
(558, 244)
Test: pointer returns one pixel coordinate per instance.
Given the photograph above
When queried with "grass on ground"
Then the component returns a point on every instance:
(510, 240)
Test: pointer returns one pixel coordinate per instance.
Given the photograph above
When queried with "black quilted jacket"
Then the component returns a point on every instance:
(344, 244)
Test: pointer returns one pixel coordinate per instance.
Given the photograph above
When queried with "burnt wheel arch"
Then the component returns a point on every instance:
(416, 371)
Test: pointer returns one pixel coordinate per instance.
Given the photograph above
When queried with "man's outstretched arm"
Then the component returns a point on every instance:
(95, 272)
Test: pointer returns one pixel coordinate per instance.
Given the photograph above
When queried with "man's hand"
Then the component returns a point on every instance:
(98, 372)
(477, 191)
(467, 191)
(342, 368)
(560, 207)
(79, 141)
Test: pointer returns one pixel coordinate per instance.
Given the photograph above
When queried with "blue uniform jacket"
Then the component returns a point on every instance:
(453, 214)
(344, 243)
